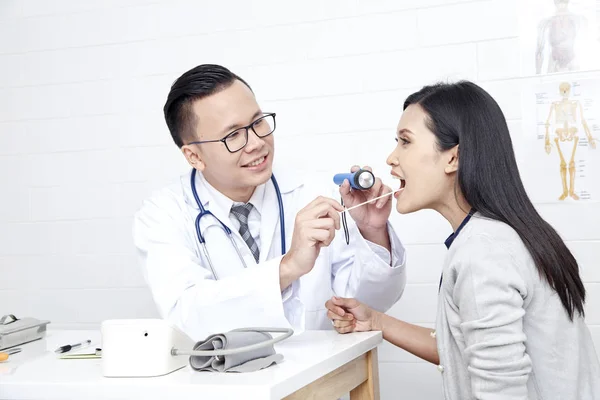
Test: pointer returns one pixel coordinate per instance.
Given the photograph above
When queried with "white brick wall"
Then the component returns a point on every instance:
(82, 139)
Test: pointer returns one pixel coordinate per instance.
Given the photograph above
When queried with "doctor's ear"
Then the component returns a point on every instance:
(452, 164)
(193, 157)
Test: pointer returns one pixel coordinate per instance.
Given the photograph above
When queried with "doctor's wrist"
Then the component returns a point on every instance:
(287, 272)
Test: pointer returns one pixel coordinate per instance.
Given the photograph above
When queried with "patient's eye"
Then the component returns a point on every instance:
(402, 140)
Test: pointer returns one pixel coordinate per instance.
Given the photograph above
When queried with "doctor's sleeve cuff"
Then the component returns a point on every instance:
(293, 308)
(397, 256)
(290, 291)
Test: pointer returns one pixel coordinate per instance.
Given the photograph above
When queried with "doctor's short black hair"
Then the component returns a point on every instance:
(197, 83)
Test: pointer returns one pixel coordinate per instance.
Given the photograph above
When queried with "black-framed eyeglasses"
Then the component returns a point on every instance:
(237, 140)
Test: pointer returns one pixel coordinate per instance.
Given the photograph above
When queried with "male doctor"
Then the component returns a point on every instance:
(248, 280)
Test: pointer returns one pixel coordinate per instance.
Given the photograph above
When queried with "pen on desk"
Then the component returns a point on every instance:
(5, 354)
(69, 347)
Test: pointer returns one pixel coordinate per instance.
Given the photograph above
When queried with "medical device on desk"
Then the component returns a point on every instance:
(153, 347)
(16, 331)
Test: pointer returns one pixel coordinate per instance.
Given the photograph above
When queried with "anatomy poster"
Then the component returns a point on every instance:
(559, 36)
(561, 124)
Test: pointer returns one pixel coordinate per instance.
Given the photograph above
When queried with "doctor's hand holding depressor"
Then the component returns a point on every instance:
(350, 315)
(371, 219)
(314, 227)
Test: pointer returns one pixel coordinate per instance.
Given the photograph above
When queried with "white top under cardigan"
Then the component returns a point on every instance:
(502, 332)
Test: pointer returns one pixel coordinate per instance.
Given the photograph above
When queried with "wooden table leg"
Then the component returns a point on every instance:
(360, 377)
(369, 389)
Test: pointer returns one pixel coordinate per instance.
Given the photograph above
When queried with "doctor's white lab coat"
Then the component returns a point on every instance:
(188, 296)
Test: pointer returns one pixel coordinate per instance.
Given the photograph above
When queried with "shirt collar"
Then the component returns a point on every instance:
(453, 236)
(225, 203)
(256, 200)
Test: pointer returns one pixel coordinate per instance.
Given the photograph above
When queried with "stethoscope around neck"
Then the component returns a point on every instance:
(204, 212)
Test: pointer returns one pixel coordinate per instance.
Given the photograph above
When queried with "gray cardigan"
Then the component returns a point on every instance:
(502, 332)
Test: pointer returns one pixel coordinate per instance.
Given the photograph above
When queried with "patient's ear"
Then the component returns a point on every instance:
(452, 163)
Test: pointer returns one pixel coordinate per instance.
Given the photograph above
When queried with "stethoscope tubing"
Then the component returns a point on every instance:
(204, 212)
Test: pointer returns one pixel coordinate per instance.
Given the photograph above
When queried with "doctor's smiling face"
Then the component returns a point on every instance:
(209, 112)
(233, 171)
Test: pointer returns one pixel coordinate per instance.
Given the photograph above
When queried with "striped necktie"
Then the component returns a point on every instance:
(241, 213)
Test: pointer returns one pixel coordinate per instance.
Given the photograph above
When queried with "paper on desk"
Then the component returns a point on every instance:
(79, 356)
(82, 353)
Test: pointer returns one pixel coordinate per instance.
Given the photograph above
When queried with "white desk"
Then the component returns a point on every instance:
(317, 365)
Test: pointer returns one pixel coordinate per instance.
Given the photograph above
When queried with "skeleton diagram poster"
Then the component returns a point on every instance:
(562, 133)
(559, 36)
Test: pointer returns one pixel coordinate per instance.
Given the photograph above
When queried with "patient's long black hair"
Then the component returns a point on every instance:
(464, 114)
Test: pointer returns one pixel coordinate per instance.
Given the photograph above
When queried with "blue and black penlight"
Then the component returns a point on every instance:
(359, 180)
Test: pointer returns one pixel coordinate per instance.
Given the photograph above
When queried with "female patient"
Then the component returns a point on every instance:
(510, 319)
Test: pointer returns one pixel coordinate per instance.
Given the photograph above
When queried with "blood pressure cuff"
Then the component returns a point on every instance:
(241, 362)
